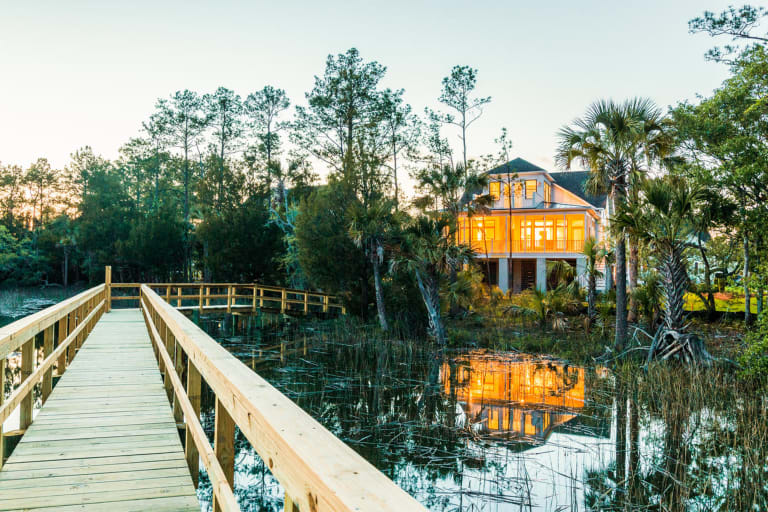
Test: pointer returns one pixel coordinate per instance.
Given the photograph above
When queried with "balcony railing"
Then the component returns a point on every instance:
(501, 246)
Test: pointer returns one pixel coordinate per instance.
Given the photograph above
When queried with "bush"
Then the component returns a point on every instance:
(754, 361)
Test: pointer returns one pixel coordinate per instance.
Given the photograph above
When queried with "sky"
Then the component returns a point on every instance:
(80, 73)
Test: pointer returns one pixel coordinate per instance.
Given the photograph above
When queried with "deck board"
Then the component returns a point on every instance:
(106, 438)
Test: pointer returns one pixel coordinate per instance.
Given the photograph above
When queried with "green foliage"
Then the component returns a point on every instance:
(329, 257)
(754, 360)
(242, 245)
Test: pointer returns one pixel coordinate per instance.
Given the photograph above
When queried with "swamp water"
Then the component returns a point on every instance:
(481, 431)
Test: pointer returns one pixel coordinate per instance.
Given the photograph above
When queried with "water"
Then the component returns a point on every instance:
(471, 431)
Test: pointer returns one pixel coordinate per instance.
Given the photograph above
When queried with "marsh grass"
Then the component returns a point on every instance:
(687, 440)
(672, 438)
(18, 302)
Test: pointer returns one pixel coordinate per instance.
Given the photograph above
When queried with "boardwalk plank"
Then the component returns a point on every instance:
(106, 438)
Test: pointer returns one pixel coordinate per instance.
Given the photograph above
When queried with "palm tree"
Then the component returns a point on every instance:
(665, 218)
(370, 230)
(617, 142)
(428, 250)
(593, 253)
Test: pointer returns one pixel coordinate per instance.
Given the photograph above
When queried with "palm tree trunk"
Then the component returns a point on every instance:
(621, 293)
(429, 288)
(675, 284)
(634, 251)
(380, 306)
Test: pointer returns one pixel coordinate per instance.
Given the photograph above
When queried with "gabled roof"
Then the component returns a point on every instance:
(573, 182)
(516, 165)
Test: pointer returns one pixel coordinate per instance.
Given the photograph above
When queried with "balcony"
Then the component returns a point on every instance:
(522, 246)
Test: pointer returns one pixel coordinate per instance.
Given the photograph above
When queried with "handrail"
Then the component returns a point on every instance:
(258, 295)
(221, 488)
(71, 321)
(13, 335)
(317, 470)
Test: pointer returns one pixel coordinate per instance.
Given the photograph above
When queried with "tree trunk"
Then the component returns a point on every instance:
(429, 288)
(675, 284)
(709, 301)
(633, 263)
(66, 268)
(380, 306)
(591, 285)
(747, 296)
(621, 293)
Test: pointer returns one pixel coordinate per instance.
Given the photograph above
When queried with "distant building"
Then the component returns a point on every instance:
(536, 216)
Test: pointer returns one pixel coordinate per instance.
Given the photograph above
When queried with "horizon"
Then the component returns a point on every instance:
(87, 77)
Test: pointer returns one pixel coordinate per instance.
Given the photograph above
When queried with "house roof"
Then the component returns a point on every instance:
(516, 165)
(574, 181)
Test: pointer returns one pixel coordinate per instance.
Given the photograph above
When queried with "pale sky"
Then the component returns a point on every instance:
(76, 73)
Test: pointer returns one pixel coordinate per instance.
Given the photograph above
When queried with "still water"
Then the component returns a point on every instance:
(470, 431)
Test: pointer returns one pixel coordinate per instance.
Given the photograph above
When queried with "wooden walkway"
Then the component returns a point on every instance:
(106, 438)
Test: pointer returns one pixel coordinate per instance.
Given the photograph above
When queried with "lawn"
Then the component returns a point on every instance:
(723, 302)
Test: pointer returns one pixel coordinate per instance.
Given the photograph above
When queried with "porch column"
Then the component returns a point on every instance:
(504, 274)
(541, 274)
(517, 276)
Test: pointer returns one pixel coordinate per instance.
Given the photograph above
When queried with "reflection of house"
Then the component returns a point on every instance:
(515, 397)
(536, 216)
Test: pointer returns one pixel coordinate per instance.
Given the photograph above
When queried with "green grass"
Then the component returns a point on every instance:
(734, 305)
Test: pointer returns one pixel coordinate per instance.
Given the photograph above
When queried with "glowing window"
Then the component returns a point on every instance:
(530, 188)
(495, 190)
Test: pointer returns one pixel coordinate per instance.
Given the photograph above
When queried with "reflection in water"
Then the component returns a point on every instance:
(514, 397)
(498, 432)
(470, 431)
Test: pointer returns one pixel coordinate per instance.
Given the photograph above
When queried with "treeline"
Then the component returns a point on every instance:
(224, 187)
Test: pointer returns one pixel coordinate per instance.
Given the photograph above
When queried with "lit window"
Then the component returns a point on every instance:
(495, 190)
(547, 193)
(530, 188)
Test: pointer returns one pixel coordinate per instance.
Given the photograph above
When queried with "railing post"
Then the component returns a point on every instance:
(200, 300)
(283, 300)
(326, 300)
(224, 445)
(168, 294)
(2, 399)
(253, 305)
(289, 505)
(71, 324)
(178, 295)
(62, 335)
(229, 298)
(261, 297)
(193, 393)
(207, 295)
(48, 375)
(108, 288)
(27, 367)
(178, 416)
(169, 340)
(306, 303)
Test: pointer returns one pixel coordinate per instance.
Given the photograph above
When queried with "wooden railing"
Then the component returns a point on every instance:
(63, 327)
(502, 246)
(317, 470)
(234, 296)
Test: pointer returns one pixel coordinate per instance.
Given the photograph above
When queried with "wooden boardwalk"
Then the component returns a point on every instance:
(106, 438)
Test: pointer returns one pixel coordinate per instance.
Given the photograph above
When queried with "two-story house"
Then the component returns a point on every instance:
(536, 216)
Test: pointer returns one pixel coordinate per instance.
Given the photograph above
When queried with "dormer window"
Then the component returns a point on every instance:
(530, 188)
(495, 190)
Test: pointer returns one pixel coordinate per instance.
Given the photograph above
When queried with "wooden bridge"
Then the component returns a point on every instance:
(120, 430)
